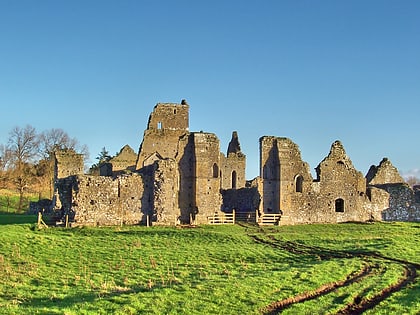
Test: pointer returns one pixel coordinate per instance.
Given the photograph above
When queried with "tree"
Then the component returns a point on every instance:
(54, 139)
(4, 161)
(412, 180)
(103, 157)
(22, 149)
(26, 162)
(4, 158)
(50, 141)
(58, 139)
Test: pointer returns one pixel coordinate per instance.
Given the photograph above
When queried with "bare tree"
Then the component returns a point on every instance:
(3, 166)
(58, 139)
(23, 145)
(3, 158)
(412, 180)
(22, 149)
(54, 139)
(50, 141)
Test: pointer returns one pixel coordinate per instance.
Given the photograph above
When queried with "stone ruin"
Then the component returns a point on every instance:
(182, 177)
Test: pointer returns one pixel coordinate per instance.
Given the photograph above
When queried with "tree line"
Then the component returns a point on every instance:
(26, 160)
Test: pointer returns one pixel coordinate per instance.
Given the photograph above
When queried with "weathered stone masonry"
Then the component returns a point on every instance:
(179, 176)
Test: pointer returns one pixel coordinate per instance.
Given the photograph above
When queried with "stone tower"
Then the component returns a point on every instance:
(167, 123)
(206, 182)
(233, 165)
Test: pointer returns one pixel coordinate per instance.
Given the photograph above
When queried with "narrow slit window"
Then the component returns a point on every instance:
(299, 184)
(215, 170)
(234, 178)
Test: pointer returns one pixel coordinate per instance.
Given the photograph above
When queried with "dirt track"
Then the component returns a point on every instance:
(359, 303)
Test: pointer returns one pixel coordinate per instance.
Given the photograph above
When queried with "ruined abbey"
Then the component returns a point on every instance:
(182, 177)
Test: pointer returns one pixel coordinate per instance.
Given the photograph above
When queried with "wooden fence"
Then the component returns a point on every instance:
(221, 218)
(269, 219)
(251, 217)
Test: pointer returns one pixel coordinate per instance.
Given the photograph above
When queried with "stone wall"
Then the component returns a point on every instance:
(233, 165)
(403, 204)
(385, 172)
(245, 199)
(338, 194)
(67, 163)
(180, 176)
(187, 171)
(124, 160)
(101, 200)
(379, 202)
(166, 209)
(270, 174)
(43, 206)
(207, 199)
(167, 123)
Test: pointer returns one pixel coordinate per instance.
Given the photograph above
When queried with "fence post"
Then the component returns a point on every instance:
(147, 221)
(233, 218)
(67, 220)
(40, 221)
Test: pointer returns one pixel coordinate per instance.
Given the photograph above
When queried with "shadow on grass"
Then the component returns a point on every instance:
(71, 301)
(15, 218)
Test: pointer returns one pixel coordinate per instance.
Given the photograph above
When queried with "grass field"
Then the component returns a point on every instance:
(312, 269)
(9, 201)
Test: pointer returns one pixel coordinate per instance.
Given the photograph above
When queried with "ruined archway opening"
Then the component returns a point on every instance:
(339, 205)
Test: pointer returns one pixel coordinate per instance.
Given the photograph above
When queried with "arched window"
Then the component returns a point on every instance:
(234, 180)
(339, 205)
(215, 170)
(299, 183)
(159, 125)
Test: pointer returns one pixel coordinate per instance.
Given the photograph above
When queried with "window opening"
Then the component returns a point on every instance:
(215, 170)
(299, 183)
(234, 180)
(339, 205)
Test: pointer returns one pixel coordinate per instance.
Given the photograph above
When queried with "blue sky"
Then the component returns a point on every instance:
(312, 71)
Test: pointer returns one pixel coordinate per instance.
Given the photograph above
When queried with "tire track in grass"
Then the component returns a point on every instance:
(359, 303)
(278, 306)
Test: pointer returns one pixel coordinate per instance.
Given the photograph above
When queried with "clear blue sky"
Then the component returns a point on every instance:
(312, 71)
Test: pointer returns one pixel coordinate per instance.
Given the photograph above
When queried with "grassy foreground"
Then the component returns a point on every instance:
(206, 270)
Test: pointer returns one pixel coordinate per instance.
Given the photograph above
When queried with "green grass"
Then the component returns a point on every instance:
(203, 270)
(7, 218)
(9, 201)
